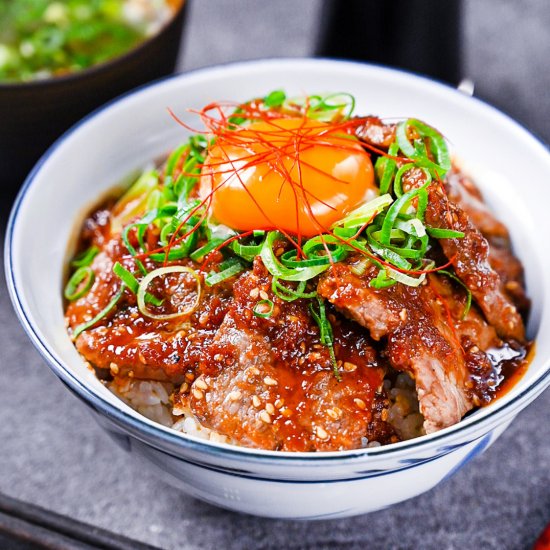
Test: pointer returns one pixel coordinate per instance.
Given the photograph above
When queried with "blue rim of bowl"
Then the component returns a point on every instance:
(161, 434)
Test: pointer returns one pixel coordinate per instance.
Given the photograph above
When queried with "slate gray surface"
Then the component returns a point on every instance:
(54, 455)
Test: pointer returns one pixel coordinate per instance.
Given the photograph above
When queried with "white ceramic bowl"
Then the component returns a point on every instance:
(511, 166)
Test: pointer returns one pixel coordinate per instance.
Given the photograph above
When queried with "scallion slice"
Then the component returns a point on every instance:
(203, 251)
(326, 335)
(404, 278)
(275, 99)
(248, 251)
(418, 151)
(366, 212)
(452, 276)
(132, 283)
(277, 269)
(385, 168)
(437, 233)
(161, 271)
(79, 284)
(289, 294)
(259, 308)
(86, 257)
(103, 313)
(227, 272)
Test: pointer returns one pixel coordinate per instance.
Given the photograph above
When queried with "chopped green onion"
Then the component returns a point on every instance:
(325, 108)
(275, 99)
(404, 278)
(277, 269)
(248, 251)
(418, 151)
(397, 185)
(203, 251)
(79, 284)
(437, 233)
(316, 254)
(366, 212)
(150, 277)
(326, 335)
(452, 276)
(217, 277)
(134, 201)
(258, 309)
(360, 267)
(182, 250)
(174, 157)
(382, 280)
(103, 313)
(132, 283)
(385, 168)
(289, 294)
(394, 210)
(126, 277)
(86, 257)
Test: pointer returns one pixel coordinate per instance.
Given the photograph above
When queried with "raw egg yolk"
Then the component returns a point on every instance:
(291, 174)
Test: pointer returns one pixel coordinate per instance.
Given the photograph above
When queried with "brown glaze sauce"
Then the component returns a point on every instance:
(269, 382)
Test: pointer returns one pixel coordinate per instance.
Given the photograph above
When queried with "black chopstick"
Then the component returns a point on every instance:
(26, 526)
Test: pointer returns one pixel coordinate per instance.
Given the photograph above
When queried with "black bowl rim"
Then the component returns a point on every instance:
(161, 435)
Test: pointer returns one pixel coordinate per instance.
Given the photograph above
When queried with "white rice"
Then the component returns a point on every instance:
(153, 400)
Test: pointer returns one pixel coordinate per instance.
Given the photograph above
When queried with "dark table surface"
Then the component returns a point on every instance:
(54, 455)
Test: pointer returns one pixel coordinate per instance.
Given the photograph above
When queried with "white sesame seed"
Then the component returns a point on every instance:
(270, 408)
(320, 433)
(338, 411)
(197, 393)
(332, 414)
(201, 384)
(254, 292)
(264, 295)
(279, 403)
(184, 387)
(114, 368)
(268, 381)
(403, 314)
(234, 395)
(256, 401)
(254, 370)
(360, 403)
(264, 417)
(203, 319)
(349, 367)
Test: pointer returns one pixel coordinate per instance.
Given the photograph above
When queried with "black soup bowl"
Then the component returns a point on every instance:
(33, 114)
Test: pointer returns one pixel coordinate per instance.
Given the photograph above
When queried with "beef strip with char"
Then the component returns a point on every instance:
(224, 343)
(274, 386)
(423, 335)
(470, 258)
(462, 191)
